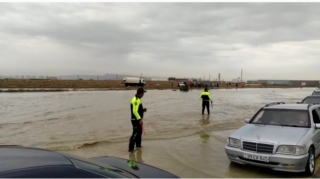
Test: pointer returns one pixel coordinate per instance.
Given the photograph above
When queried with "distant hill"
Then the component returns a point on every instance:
(99, 77)
(84, 77)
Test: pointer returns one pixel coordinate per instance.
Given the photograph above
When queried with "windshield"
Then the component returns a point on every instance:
(282, 117)
(316, 93)
(311, 100)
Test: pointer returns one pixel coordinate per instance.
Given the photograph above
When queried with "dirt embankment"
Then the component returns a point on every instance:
(77, 84)
(63, 85)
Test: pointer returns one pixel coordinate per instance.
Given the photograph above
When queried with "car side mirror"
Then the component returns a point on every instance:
(317, 126)
(247, 120)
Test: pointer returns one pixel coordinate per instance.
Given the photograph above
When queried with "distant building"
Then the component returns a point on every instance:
(51, 78)
(278, 82)
(182, 79)
(237, 80)
(158, 79)
(286, 82)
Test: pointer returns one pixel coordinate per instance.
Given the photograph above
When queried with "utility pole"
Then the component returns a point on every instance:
(209, 77)
(241, 75)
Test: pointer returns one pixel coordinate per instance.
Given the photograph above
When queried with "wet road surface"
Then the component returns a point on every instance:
(197, 156)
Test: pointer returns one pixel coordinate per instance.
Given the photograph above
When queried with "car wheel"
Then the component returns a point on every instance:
(310, 167)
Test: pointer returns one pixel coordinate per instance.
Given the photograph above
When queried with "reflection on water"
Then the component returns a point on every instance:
(205, 131)
(204, 137)
(179, 138)
(205, 120)
(136, 156)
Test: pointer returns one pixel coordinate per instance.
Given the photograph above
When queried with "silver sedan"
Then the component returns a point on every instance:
(283, 137)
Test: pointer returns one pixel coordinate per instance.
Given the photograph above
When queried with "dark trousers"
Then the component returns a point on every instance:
(136, 135)
(205, 104)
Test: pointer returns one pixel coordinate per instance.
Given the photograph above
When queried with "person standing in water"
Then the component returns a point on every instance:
(206, 99)
(137, 112)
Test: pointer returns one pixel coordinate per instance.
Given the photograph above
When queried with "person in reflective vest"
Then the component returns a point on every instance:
(206, 99)
(137, 112)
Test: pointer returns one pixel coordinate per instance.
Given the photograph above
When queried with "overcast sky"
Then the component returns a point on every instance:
(267, 41)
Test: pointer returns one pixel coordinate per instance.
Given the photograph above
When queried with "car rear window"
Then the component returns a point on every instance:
(282, 117)
(311, 100)
(316, 93)
(108, 172)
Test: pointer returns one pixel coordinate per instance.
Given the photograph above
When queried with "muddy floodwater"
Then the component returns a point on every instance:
(178, 138)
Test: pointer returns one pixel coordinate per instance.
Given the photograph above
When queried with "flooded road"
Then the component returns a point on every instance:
(179, 139)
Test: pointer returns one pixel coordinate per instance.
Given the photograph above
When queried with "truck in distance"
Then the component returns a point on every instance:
(132, 81)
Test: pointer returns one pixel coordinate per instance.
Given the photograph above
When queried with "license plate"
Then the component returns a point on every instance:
(256, 157)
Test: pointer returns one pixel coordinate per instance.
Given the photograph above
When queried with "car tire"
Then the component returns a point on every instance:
(310, 166)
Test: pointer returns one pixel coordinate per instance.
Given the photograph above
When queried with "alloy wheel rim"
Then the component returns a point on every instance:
(311, 162)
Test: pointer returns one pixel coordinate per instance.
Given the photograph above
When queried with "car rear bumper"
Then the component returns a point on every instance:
(287, 163)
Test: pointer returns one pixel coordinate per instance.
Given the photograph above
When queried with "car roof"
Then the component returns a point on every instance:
(288, 106)
(313, 96)
(19, 157)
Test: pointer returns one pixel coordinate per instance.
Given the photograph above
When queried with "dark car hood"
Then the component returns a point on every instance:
(141, 170)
